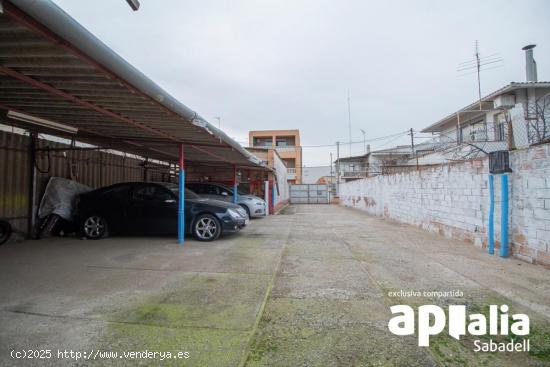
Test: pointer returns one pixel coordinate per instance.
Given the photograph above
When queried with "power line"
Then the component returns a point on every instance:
(390, 141)
(359, 141)
(393, 138)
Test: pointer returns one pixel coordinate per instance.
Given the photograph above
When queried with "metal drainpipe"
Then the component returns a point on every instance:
(181, 201)
(504, 216)
(491, 215)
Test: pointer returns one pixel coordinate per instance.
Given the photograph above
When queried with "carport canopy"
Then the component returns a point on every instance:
(52, 68)
(57, 78)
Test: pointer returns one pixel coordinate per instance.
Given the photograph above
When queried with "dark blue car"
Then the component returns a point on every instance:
(152, 208)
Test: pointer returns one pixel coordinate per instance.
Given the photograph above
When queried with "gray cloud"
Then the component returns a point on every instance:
(289, 64)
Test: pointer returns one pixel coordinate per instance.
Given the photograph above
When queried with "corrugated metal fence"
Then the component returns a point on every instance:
(89, 167)
(309, 194)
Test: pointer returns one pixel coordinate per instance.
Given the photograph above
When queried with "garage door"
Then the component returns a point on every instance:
(309, 194)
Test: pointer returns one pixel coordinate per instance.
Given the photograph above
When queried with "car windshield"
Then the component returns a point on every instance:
(175, 189)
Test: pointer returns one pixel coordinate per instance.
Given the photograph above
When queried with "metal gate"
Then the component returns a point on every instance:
(309, 194)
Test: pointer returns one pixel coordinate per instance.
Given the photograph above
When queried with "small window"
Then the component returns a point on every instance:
(499, 133)
(500, 127)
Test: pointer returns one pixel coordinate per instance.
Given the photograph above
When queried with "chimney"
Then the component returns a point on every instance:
(530, 64)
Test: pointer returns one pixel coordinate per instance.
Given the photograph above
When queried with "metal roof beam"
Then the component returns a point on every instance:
(70, 97)
(45, 20)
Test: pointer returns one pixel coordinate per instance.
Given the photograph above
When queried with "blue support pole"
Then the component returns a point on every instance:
(181, 198)
(504, 216)
(491, 215)
(235, 193)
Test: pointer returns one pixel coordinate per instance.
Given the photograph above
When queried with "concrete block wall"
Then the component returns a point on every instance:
(282, 190)
(453, 200)
(530, 203)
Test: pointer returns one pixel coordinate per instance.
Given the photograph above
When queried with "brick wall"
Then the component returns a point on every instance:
(453, 200)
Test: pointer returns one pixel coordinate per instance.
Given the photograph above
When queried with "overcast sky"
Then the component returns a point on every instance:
(289, 64)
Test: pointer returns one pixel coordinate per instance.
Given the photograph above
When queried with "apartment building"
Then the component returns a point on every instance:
(287, 145)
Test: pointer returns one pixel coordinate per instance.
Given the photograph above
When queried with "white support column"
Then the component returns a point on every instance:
(266, 197)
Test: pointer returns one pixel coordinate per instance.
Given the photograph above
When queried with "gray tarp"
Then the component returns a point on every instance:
(59, 197)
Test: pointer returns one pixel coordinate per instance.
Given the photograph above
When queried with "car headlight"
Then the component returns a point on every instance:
(236, 214)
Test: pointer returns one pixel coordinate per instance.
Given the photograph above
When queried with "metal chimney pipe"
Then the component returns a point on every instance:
(530, 64)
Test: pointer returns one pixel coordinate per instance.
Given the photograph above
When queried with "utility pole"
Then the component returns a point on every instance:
(330, 179)
(219, 121)
(349, 121)
(337, 168)
(412, 141)
(478, 67)
(219, 125)
(331, 171)
(364, 140)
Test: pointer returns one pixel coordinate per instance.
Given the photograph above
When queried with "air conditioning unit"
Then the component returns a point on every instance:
(504, 101)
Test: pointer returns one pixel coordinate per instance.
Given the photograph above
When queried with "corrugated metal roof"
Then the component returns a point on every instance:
(44, 75)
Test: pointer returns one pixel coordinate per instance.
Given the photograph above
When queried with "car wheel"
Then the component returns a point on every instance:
(246, 209)
(95, 227)
(5, 231)
(207, 228)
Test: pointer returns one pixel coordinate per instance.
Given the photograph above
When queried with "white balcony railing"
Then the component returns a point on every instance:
(286, 149)
(291, 171)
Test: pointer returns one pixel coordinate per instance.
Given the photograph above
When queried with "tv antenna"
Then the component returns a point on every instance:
(477, 65)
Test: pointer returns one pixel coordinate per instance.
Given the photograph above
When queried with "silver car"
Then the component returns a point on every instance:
(253, 205)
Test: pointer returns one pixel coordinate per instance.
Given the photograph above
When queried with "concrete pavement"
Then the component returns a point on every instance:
(308, 287)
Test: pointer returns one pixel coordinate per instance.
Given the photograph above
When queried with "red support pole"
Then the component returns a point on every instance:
(272, 202)
(235, 194)
(181, 157)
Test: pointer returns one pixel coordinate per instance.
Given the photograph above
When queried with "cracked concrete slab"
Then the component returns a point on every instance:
(309, 287)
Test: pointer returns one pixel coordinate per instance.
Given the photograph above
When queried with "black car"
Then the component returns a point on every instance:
(152, 208)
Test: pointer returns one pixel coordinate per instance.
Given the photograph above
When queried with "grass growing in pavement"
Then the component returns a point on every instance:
(454, 352)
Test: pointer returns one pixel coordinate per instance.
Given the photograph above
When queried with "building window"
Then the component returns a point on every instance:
(263, 142)
(476, 131)
(499, 131)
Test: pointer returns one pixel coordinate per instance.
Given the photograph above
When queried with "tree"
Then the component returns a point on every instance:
(538, 120)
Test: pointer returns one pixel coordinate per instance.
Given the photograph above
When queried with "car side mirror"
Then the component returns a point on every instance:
(224, 193)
